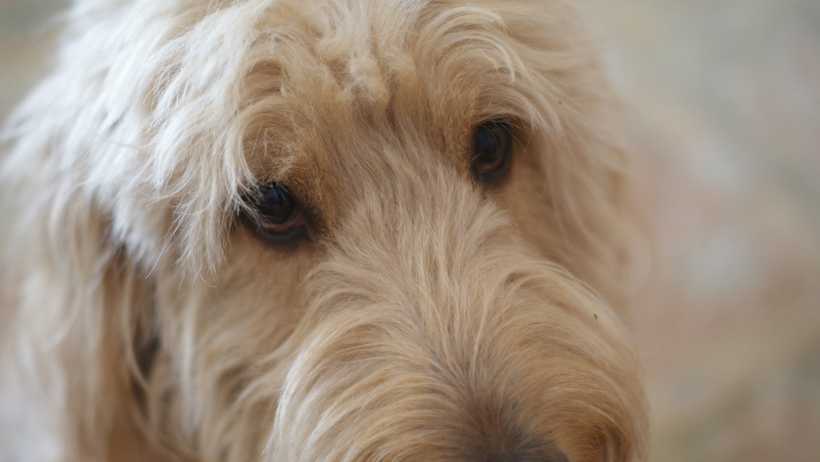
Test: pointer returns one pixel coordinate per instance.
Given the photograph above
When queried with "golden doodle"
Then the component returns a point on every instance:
(318, 230)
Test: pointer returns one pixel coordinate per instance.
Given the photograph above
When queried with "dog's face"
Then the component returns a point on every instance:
(353, 230)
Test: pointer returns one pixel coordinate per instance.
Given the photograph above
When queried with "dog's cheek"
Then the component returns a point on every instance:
(215, 330)
(527, 196)
(258, 288)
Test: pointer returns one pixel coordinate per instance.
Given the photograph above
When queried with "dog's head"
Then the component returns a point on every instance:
(324, 231)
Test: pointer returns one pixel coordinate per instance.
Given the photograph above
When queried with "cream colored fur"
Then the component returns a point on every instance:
(428, 319)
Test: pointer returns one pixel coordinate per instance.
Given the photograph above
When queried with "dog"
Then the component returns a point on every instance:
(304, 230)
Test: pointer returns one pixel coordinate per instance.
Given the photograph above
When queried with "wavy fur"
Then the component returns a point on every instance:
(428, 318)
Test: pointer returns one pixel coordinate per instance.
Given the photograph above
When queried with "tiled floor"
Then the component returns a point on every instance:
(723, 98)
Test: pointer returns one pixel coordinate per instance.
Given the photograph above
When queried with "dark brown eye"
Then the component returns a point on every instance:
(492, 147)
(274, 212)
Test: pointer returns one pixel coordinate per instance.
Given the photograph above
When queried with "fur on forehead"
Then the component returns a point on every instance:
(191, 103)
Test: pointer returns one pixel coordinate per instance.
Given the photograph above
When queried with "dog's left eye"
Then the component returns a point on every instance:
(275, 212)
(492, 147)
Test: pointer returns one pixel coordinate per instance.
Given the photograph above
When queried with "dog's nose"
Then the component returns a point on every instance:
(522, 451)
(547, 456)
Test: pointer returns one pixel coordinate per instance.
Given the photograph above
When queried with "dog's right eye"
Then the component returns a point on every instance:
(492, 150)
(275, 213)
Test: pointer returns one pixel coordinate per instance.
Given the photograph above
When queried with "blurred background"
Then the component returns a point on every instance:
(723, 101)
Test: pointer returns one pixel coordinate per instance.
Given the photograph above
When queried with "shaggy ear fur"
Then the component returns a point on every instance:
(81, 318)
(99, 188)
(82, 308)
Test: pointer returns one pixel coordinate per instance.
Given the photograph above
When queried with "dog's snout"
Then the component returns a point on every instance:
(520, 451)
(467, 349)
(551, 456)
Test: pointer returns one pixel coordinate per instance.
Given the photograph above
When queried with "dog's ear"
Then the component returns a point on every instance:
(79, 314)
(118, 166)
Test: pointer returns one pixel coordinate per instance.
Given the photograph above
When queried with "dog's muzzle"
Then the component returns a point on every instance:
(438, 336)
